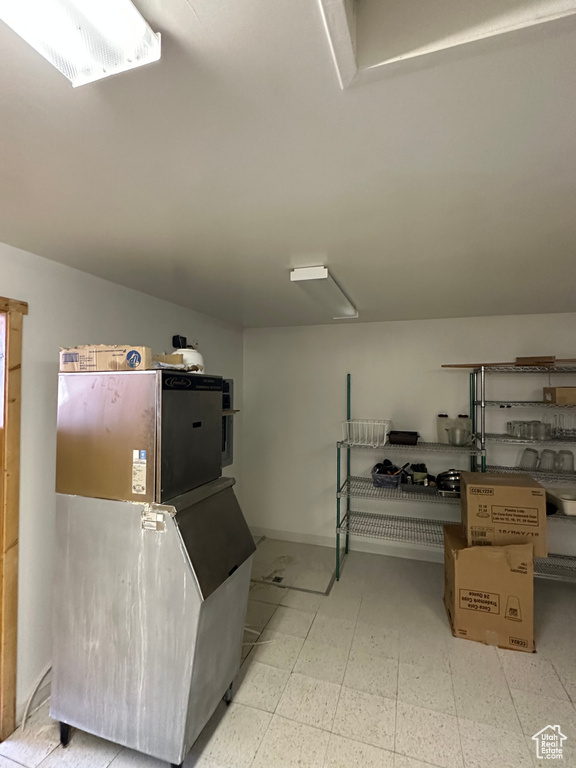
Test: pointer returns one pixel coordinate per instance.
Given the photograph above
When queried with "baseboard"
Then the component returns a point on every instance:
(376, 547)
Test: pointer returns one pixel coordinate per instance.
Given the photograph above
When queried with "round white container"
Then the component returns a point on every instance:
(191, 357)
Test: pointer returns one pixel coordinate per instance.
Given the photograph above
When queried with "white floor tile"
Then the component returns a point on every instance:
(475, 661)
(341, 607)
(129, 758)
(351, 586)
(486, 703)
(291, 745)
(536, 711)
(370, 639)
(345, 753)
(570, 687)
(426, 687)
(201, 761)
(372, 674)
(277, 649)
(260, 686)
(317, 581)
(303, 601)
(528, 672)
(309, 701)
(427, 650)
(266, 593)
(330, 631)
(366, 718)
(428, 736)
(39, 739)
(234, 735)
(6, 763)
(247, 644)
(83, 751)
(486, 746)
(380, 612)
(325, 662)
(259, 614)
(401, 761)
(290, 621)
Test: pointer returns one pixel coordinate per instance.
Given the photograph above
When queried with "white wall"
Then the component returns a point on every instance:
(68, 307)
(295, 385)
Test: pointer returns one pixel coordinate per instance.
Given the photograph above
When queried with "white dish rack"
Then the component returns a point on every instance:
(371, 432)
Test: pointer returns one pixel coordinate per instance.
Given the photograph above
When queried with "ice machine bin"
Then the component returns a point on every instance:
(150, 605)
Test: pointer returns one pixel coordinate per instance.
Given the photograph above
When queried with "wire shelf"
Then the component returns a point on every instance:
(561, 517)
(414, 530)
(418, 448)
(557, 567)
(429, 533)
(529, 369)
(494, 437)
(363, 488)
(524, 404)
(542, 475)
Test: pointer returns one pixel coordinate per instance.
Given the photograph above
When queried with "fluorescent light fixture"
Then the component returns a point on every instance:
(85, 39)
(321, 286)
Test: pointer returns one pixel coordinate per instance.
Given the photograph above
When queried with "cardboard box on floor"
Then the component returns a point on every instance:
(105, 357)
(489, 592)
(504, 509)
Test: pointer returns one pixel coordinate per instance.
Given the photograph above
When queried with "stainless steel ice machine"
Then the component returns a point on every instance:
(138, 435)
(150, 605)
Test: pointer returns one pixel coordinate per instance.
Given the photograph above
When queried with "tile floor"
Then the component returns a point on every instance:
(368, 677)
(302, 566)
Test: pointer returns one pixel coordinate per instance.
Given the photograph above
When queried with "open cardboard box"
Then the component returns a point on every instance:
(489, 592)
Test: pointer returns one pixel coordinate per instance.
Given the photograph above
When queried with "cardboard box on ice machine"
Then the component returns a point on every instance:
(500, 509)
(489, 592)
(105, 357)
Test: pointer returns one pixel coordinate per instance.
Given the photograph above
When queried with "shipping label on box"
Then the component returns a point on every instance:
(489, 592)
(103, 357)
(500, 509)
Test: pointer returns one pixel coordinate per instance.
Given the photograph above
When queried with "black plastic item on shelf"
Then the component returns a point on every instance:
(399, 437)
(386, 481)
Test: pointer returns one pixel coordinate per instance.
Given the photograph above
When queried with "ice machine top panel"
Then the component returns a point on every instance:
(216, 538)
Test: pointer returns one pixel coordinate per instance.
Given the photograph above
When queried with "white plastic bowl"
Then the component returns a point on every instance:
(564, 498)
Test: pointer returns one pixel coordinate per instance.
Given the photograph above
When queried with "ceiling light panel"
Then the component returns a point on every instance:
(319, 284)
(85, 40)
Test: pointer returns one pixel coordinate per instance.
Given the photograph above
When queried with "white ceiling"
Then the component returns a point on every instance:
(447, 190)
(388, 30)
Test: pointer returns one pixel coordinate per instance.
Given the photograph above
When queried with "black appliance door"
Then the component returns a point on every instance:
(191, 432)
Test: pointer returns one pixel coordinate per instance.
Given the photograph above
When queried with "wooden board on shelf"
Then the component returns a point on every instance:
(568, 361)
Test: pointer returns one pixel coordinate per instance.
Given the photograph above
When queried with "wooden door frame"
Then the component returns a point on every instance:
(13, 312)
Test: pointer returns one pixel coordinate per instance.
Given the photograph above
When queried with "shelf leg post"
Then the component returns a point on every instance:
(338, 485)
(348, 417)
(483, 417)
(473, 462)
